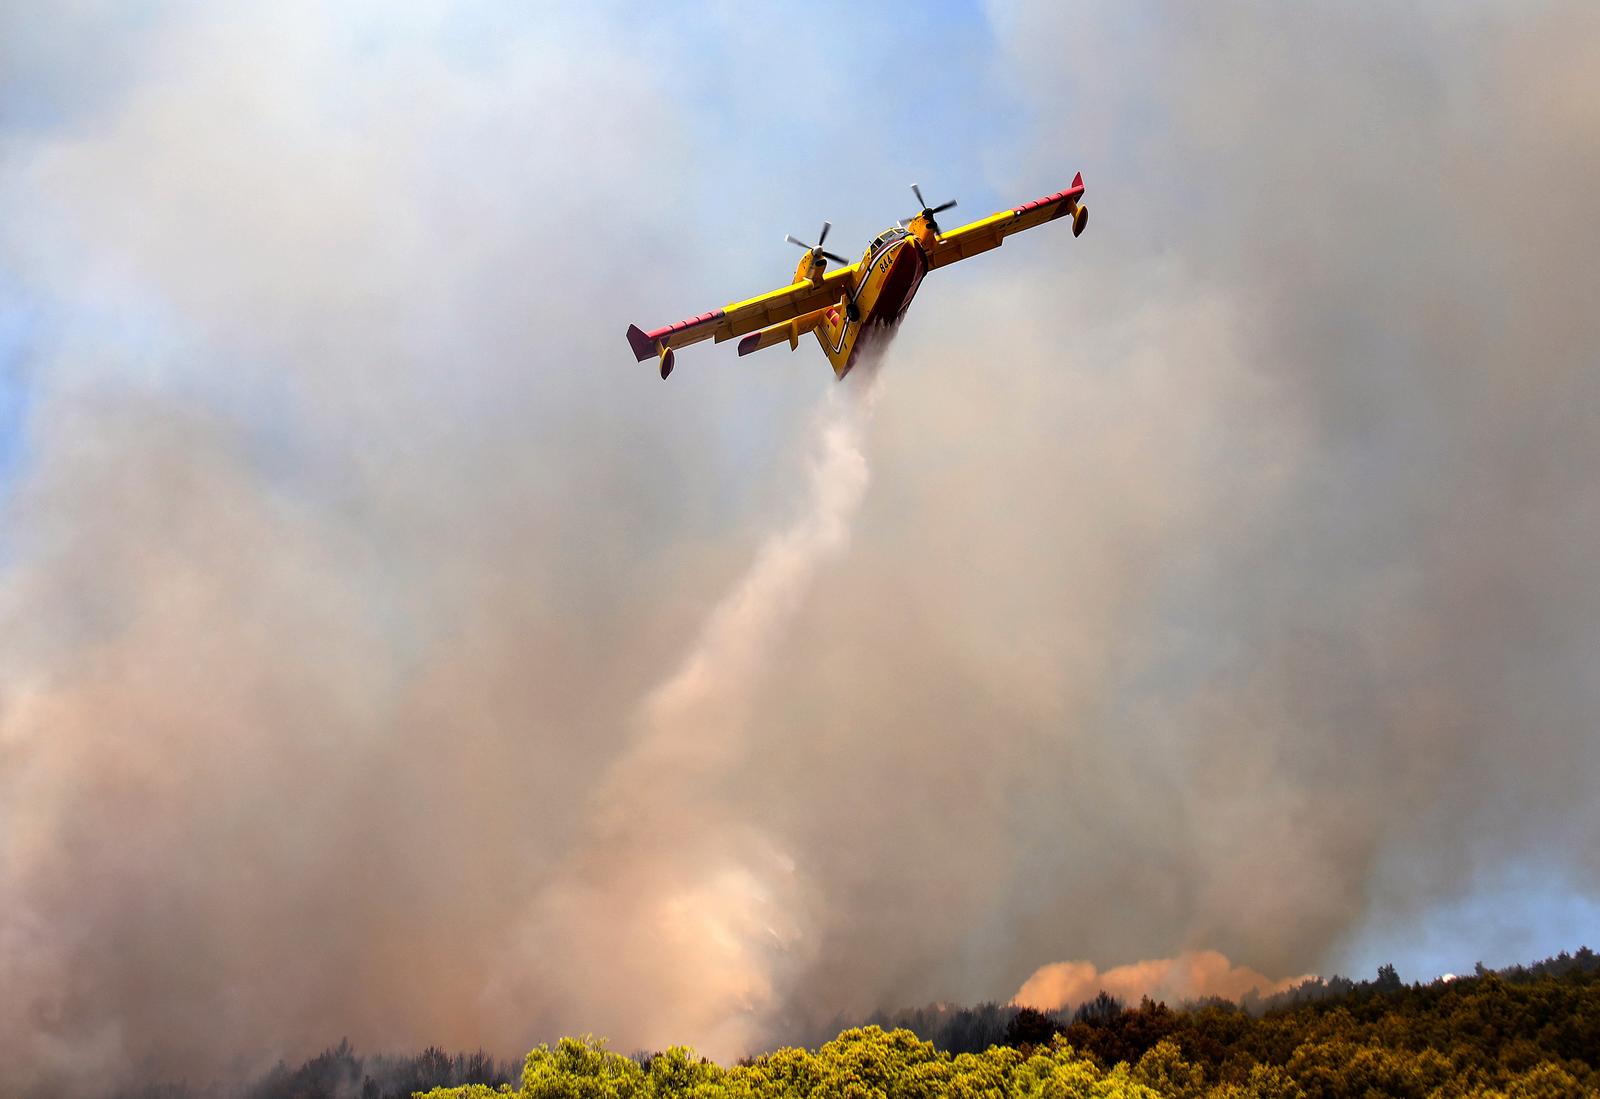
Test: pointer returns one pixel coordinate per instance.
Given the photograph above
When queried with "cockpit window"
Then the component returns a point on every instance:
(887, 235)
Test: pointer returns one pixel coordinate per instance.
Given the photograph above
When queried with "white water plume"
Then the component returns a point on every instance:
(677, 917)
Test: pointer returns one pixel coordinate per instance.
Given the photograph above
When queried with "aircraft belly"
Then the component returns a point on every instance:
(882, 300)
(897, 285)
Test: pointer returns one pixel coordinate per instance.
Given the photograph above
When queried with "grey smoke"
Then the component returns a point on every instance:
(1225, 583)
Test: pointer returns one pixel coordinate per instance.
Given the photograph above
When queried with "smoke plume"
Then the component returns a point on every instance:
(1193, 975)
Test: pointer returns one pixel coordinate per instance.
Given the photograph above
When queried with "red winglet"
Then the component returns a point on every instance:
(643, 346)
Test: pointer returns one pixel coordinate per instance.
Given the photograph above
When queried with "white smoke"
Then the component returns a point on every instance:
(677, 918)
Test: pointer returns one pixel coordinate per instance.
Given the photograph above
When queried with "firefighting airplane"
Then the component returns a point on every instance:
(847, 306)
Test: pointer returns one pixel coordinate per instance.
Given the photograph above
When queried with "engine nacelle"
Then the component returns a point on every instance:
(811, 269)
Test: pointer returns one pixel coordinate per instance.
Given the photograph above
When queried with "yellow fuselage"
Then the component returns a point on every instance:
(891, 271)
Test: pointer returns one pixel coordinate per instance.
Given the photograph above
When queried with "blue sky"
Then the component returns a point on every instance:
(1521, 917)
(16, 326)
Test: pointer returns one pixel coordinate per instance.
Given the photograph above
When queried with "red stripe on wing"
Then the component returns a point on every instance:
(644, 343)
(692, 322)
(1071, 192)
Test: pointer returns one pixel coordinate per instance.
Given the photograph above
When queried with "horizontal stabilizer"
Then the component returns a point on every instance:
(788, 332)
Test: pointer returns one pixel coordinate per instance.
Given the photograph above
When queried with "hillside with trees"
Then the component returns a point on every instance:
(1528, 1032)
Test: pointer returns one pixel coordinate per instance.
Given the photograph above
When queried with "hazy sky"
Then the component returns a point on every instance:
(386, 654)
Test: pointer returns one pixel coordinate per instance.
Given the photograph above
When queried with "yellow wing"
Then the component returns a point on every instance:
(742, 317)
(980, 236)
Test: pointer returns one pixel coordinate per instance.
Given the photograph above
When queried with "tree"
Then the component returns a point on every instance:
(580, 1068)
(1388, 979)
(1029, 1027)
(1163, 1070)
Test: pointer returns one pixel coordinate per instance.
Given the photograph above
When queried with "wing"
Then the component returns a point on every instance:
(980, 236)
(742, 317)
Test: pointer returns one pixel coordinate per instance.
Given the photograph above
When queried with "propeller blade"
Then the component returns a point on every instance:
(824, 235)
(918, 192)
(945, 206)
(903, 222)
(800, 243)
(834, 258)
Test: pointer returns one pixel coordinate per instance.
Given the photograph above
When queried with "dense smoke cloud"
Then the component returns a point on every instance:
(1225, 581)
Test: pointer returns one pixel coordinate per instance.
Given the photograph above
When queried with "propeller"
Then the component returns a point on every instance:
(816, 250)
(927, 211)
